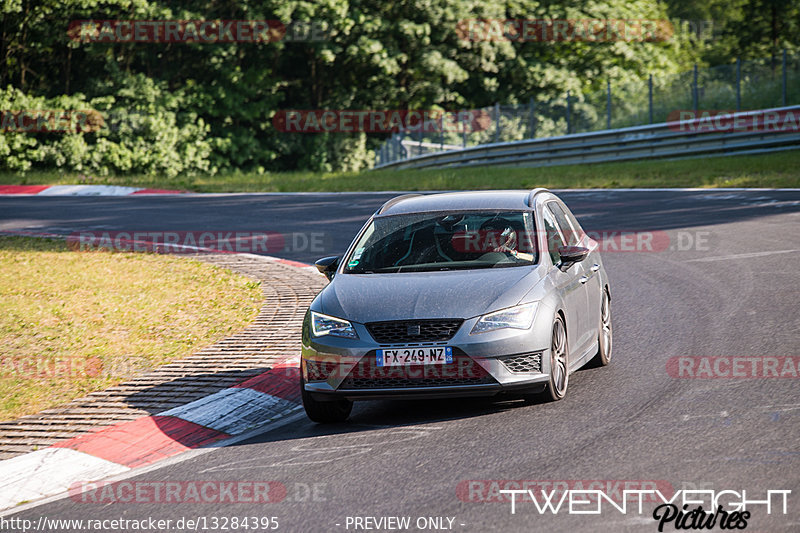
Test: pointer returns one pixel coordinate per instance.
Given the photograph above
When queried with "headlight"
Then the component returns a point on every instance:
(328, 325)
(519, 317)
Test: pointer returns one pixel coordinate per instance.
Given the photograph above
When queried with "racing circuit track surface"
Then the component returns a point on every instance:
(722, 280)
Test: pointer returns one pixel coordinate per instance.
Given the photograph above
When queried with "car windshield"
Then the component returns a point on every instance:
(444, 241)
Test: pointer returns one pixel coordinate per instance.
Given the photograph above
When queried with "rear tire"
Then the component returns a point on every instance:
(605, 335)
(324, 412)
(559, 363)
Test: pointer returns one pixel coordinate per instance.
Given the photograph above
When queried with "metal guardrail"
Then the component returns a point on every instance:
(664, 140)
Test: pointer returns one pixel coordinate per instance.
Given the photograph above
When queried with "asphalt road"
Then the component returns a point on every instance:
(725, 282)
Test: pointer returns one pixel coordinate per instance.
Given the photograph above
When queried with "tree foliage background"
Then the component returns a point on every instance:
(182, 108)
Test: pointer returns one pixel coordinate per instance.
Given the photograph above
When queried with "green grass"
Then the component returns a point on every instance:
(780, 169)
(76, 322)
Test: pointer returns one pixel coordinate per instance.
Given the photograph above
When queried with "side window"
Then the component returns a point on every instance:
(554, 240)
(571, 234)
(575, 223)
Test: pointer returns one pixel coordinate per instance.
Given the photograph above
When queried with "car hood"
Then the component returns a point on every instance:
(451, 294)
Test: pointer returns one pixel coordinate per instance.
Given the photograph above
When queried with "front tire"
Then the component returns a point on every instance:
(559, 363)
(324, 412)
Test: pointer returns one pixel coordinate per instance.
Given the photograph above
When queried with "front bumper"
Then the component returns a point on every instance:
(487, 364)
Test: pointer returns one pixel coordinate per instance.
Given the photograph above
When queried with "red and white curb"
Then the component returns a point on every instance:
(114, 450)
(79, 190)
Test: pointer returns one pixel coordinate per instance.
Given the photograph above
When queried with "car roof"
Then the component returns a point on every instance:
(457, 201)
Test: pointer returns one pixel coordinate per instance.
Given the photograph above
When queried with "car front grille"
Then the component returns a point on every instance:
(366, 374)
(526, 362)
(405, 331)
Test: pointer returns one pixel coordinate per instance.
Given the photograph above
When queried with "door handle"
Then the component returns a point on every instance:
(583, 279)
(595, 267)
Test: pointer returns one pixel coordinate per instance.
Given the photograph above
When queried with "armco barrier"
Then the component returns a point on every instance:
(664, 140)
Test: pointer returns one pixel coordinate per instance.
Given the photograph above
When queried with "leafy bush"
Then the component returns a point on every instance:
(140, 129)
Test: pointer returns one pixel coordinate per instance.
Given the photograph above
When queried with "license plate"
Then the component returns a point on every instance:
(436, 355)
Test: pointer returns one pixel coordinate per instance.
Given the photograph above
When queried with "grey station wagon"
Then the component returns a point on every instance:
(456, 294)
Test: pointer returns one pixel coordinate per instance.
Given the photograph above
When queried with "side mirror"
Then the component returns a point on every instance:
(328, 265)
(570, 255)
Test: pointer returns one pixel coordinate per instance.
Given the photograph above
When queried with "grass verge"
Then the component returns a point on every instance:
(781, 169)
(75, 322)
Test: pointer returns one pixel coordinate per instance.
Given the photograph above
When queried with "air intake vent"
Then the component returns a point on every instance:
(526, 362)
(412, 331)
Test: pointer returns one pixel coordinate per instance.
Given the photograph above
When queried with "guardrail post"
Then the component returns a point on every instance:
(608, 104)
(783, 66)
(531, 118)
(398, 144)
(497, 122)
(441, 133)
(738, 84)
(569, 113)
(650, 97)
(695, 97)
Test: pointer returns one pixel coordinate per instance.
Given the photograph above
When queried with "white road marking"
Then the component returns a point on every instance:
(88, 190)
(740, 256)
(788, 407)
(50, 471)
(721, 414)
